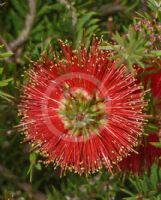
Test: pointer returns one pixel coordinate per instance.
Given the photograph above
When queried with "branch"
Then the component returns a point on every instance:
(144, 5)
(109, 9)
(2, 4)
(3, 42)
(22, 38)
(16, 46)
(26, 187)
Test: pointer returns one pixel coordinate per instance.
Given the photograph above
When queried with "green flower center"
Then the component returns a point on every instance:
(81, 113)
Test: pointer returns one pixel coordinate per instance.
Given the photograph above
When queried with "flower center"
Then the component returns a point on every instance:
(81, 113)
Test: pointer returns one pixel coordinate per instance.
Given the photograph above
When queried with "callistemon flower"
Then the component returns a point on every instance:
(151, 78)
(81, 111)
(154, 80)
(147, 155)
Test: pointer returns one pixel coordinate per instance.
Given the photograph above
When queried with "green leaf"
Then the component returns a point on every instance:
(130, 50)
(127, 191)
(20, 8)
(155, 6)
(5, 55)
(152, 127)
(1, 70)
(5, 82)
(156, 53)
(154, 176)
(84, 19)
(6, 96)
(48, 8)
(32, 159)
(38, 166)
(156, 144)
(131, 198)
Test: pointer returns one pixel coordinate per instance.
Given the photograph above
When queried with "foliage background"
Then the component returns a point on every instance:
(26, 29)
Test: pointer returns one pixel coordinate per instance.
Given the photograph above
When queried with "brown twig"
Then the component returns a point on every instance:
(22, 38)
(110, 8)
(26, 187)
(16, 46)
(144, 5)
(2, 4)
(2, 41)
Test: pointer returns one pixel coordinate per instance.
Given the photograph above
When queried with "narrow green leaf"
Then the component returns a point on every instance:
(1, 70)
(5, 82)
(154, 176)
(127, 191)
(84, 19)
(6, 96)
(5, 55)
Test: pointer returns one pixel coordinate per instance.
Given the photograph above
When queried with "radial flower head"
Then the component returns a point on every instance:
(80, 110)
(146, 156)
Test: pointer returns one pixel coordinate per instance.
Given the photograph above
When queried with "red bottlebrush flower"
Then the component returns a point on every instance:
(81, 111)
(151, 78)
(155, 84)
(147, 155)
